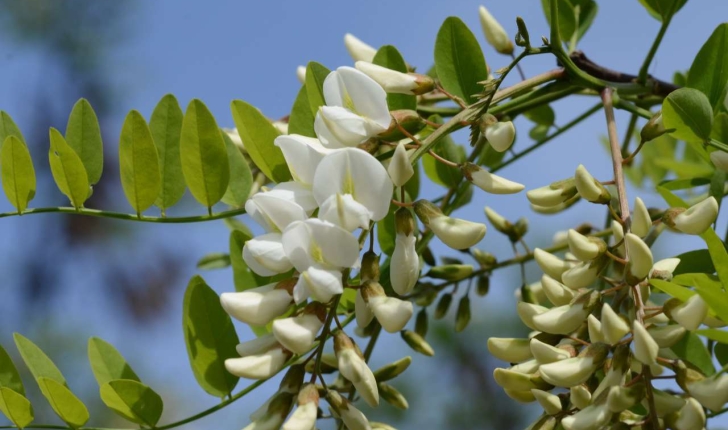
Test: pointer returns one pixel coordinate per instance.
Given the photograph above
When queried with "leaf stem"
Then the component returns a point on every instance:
(129, 217)
(642, 75)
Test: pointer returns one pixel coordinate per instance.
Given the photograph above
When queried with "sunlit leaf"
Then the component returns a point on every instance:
(301, 119)
(64, 403)
(9, 128)
(672, 289)
(316, 73)
(107, 363)
(37, 361)
(84, 136)
(9, 376)
(17, 172)
(718, 254)
(133, 400)
(16, 407)
(692, 349)
(242, 276)
(459, 60)
(697, 261)
(709, 71)
(574, 16)
(67, 169)
(166, 126)
(241, 179)
(689, 114)
(714, 334)
(138, 163)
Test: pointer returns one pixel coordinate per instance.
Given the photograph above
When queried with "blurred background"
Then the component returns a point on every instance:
(66, 278)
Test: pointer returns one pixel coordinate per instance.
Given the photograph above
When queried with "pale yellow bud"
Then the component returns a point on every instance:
(557, 293)
(667, 336)
(640, 258)
(494, 32)
(594, 327)
(641, 221)
(550, 403)
(359, 50)
(585, 248)
(510, 350)
(501, 135)
(545, 353)
(527, 312)
(589, 188)
(550, 264)
(580, 396)
(645, 347)
(614, 327)
(400, 168)
(710, 392)
(695, 220)
(489, 182)
(592, 418)
(689, 314)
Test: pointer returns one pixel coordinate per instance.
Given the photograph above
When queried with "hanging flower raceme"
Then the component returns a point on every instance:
(359, 50)
(453, 232)
(397, 82)
(356, 109)
(259, 306)
(404, 269)
(695, 220)
(352, 188)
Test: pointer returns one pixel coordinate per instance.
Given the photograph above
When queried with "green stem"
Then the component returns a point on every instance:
(438, 110)
(634, 109)
(642, 75)
(718, 145)
(129, 217)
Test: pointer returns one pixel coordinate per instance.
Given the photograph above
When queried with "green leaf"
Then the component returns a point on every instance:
(235, 224)
(107, 363)
(138, 163)
(459, 60)
(672, 289)
(67, 169)
(718, 254)
(697, 261)
(714, 334)
(18, 175)
(662, 9)
(215, 260)
(388, 56)
(84, 136)
(684, 184)
(720, 127)
(386, 232)
(721, 353)
(541, 115)
(166, 126)
(39, 364)
(316, 73)
(210, 338)
(671, 199)
(258, 136)
(8, 127)
(241, 179)
(709, 71)
(301, 119)
(9, 376)
(133, 400)
(569, 16)
(242, 276)
(64, 403)
(685, 169)
(203, 155)
(16, 407)
(689, 114)
(692, 349)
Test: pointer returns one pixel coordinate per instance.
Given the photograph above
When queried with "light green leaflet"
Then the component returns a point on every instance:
(84, 136)
(138, 163)
(67, 169)
(18, 175)
(166, 126)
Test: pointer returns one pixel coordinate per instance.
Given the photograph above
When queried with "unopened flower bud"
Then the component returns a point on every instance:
(453, 232)
(258, 306)
(404, 270)
(663, 269)
(370, 266)
(392, 313)
(422, 322)
(510, 350)
(397, 82)
(489, 182)
(591, 418)
(277, 408)
(301, 74)
(561, 319)
(392, 396)
(641, 221)
(585, 248)
(689, 314)
(690, 417)
(523, 396)
(551, 403)
(720, 160)
(392, 370)
(417, 343)
(695, 220)
(558, 208)
(258, 362)
(618, 236)
(554, 194)
(710, 392)
(499, 223)
(352, 417)
(589, 188)
(653, 129)
(462, 316)
(353, 367)
(594, 327)
(443, 305)
(640, 258)
(527, 312)
(359, 50)
(362, 311)
(614, 327)
(667, 336)
(485, 259)
(451, 272)
(557, 293)
(545, 353)
(583, 274)
(483, 285)
(576, 370)
(494, 32)
(580, 396)
(665, 403)
(501, 135)
(550, 264)
(297, 334)
(400, 168)
(645, 347)
(514, 381)
(304, 417)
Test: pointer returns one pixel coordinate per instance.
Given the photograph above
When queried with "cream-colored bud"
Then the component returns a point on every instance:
(594, 326)
(352, 417)
(392, 313)
(585, 248)
(304, 417)
(353, 367)
(257, 306)
(457, 233)
(667, 336)
(589, 188)
(561, 319)
(690, 417)
(576, 370)
(710, 392)
(391, 80)
(641, 221)
(489, 182)
(527, 367)
(523, 396)
(404, 270)
(515, 381)
(663, 269)
(614, 327)
(720, 160)
(554, 194)
(640, 258)
(392, 396)
(582, 275)
(417, 342)
(276, 410)
(527, 312)
(689, 314)
(695, 220)
(620, 398)
(545, 353)
(498, 221)
(400, 168)
(557, 293)
(258, 366)
(381, 426)
(494, 32)
(451, 272)
(645, 347)
(301, 74)
(510, 350)
(297, 334)
(618, 236)
(714, 322)
(550, 210)
(665, 403)
(550, 264)
(560, 238)
(362, 311)
(592, 418)
(550, 403)
(580, 396)
(359, 50)
(501, 135)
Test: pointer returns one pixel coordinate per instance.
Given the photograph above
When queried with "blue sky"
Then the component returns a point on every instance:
(224, 50)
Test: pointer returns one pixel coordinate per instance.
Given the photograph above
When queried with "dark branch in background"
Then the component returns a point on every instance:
(659, 87)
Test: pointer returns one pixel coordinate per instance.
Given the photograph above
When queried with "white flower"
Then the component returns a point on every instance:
(357, 173)
(274, 210)
(400, 169)
(550, 403)
(585, 248)
(645, 347)
(545, 353)
(392, 313)
(494, 33)
(319, 243)
(352, 417)
(640, 256)
(698, 217)
(489, 182)
(613, 326)
(355, 369)
(589, 188)
(404, 269)
(689, 314)
(301, 74)
(265, 255)
(663, 269)
(345, 212)
(391, 80)
(561, 319)
(501, 135)
(641, 221)
(356, 109)
(457, 233)
(358, 50)
(569, 372)
(580, 396)
(720, 160)
(297, 334)
(321, 284)
(591, 418)
(690, 417)
(257, 306)
(710, 392)
(258, 364)
(557, 293)
(509, 349)
(363, 313)
(304, 417)
(303, 154)
(550, 264)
